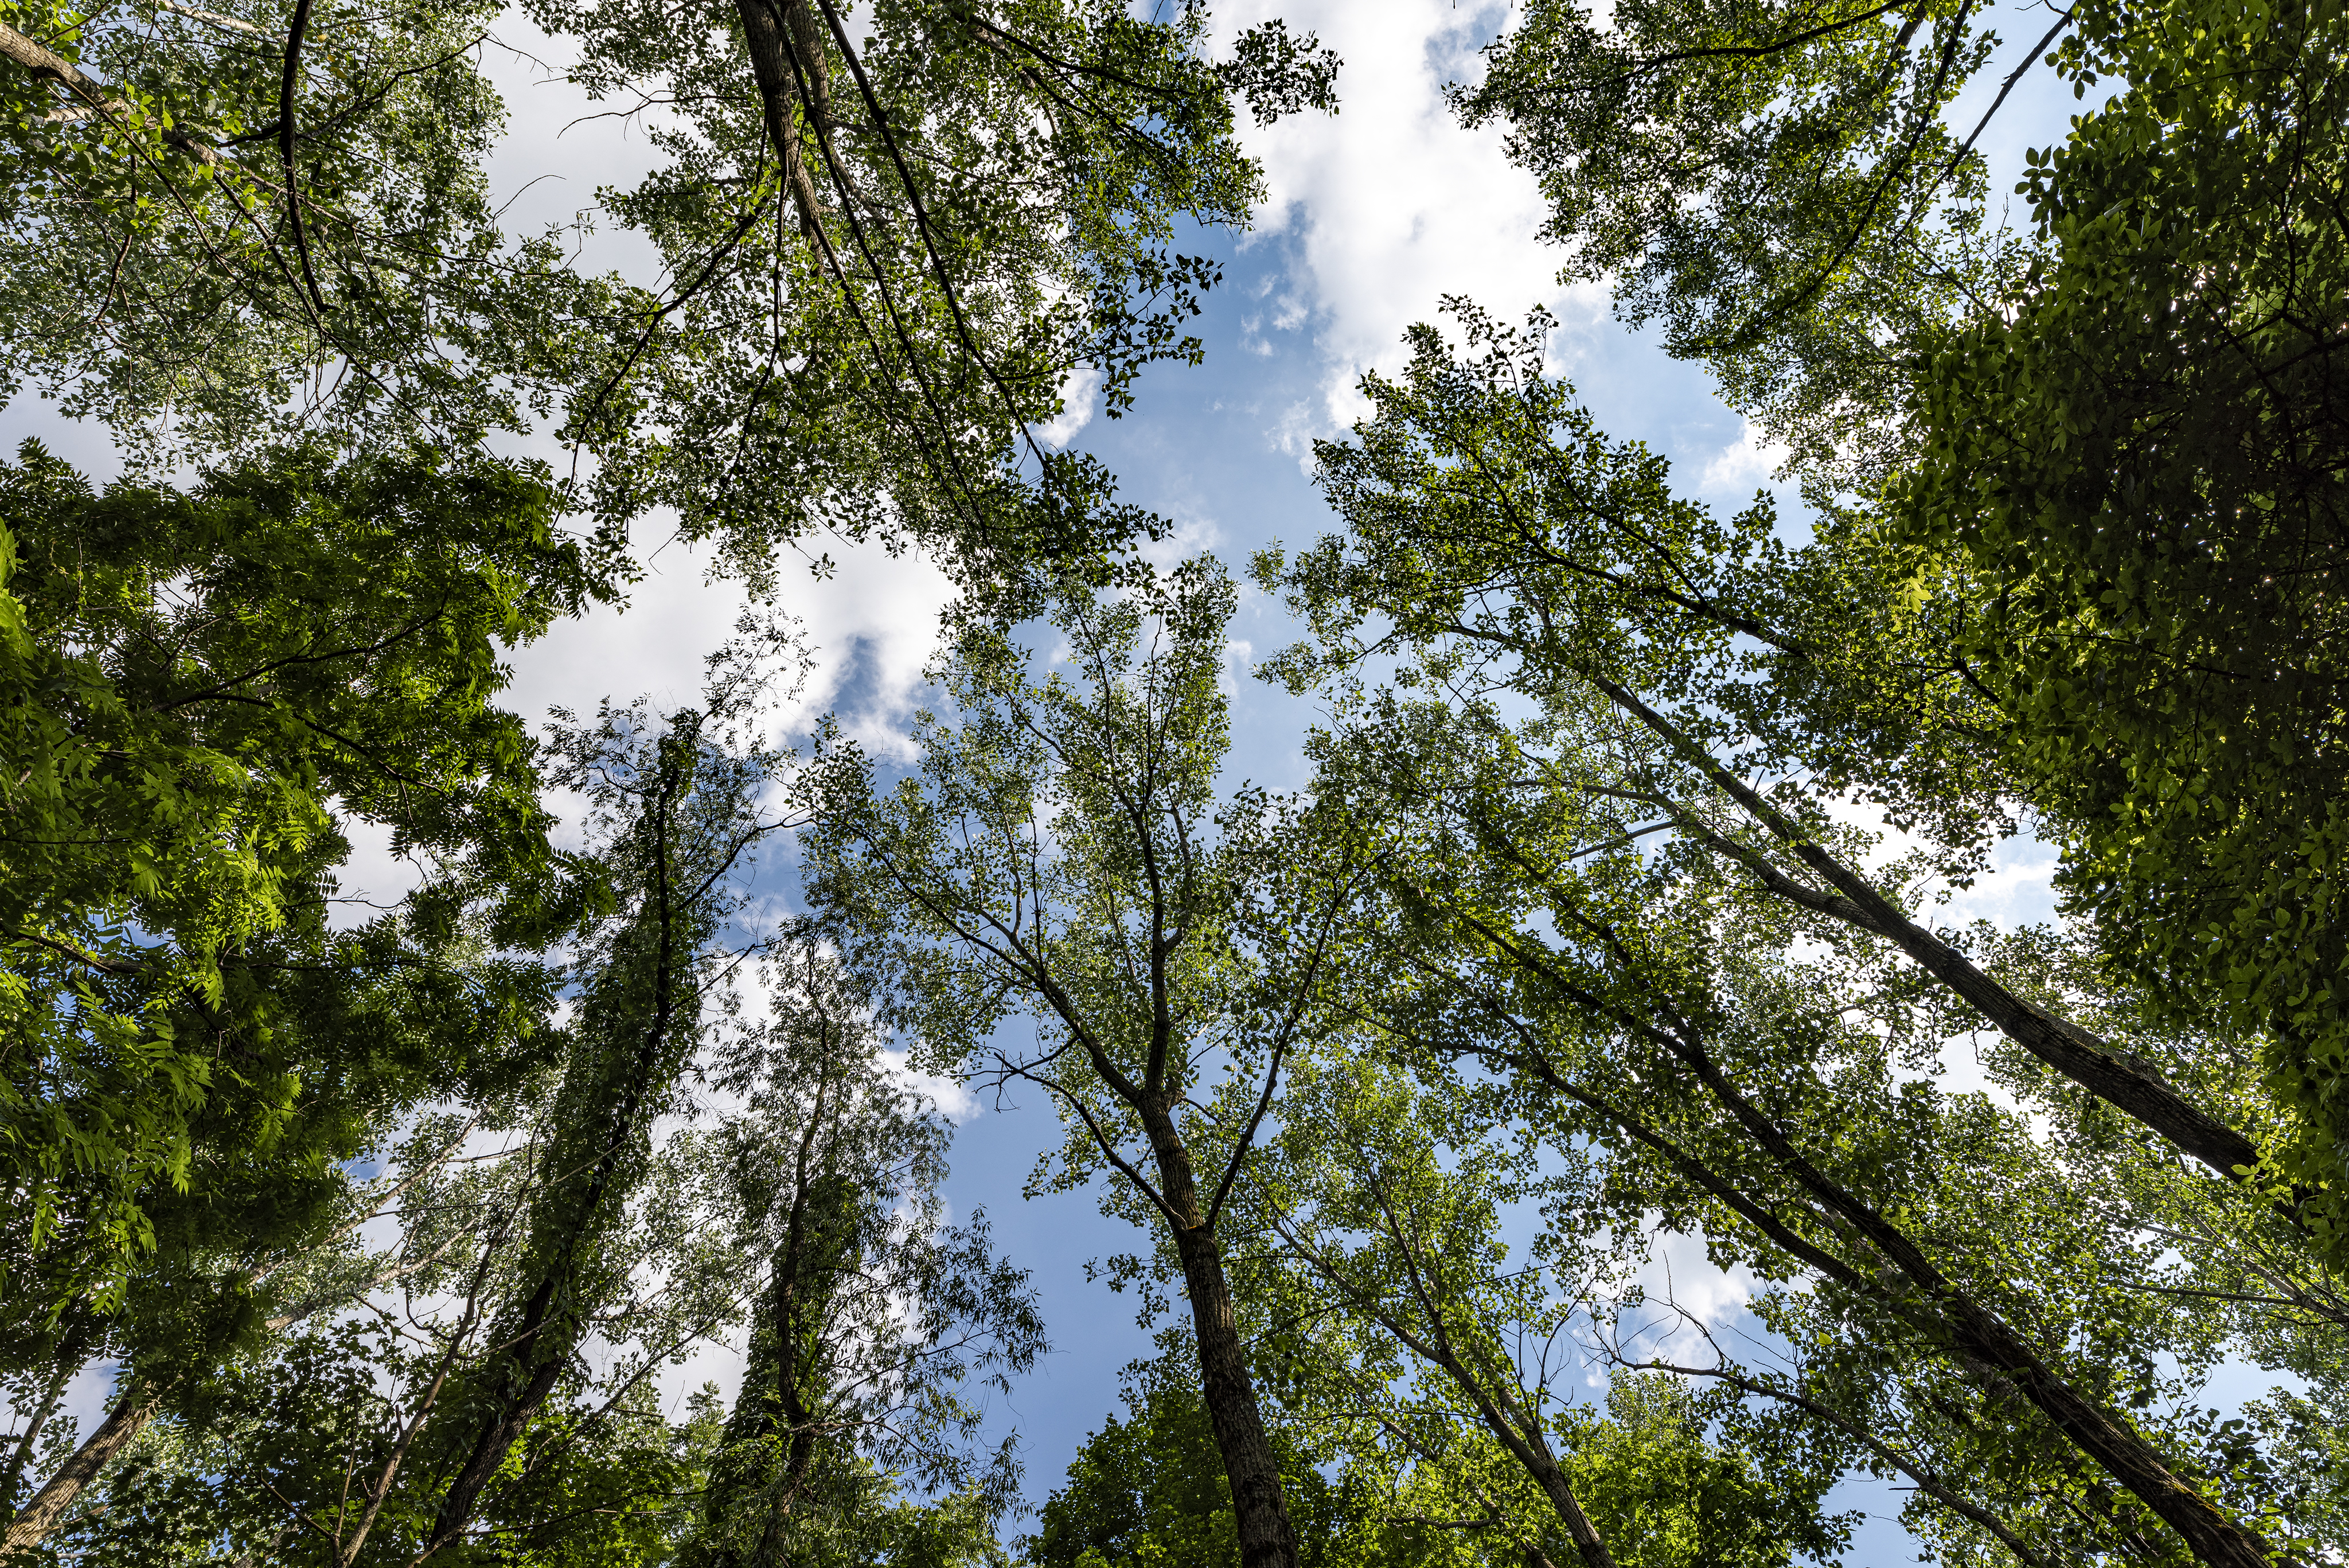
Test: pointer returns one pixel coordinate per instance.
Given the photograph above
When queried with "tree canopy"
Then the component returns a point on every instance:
(1566, 1125)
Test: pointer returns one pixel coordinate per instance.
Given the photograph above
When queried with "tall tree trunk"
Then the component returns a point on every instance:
(1532, 1451)
(128, 1418)
(1266, 1538)
(542, 1343)
(1978, 1339)
(784, 48)
(2121, 1080)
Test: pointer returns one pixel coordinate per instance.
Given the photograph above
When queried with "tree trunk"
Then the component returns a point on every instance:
(72, 1349)
(1267, 1540)
(1983, 1342)
(779, 59)
(129, 1418)
(1543, 1466)
(534, 1358)
(2121, 1081)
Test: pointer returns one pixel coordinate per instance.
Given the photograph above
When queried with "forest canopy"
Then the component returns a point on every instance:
(1567, 1116)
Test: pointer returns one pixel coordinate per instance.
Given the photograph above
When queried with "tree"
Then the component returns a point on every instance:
(1648, 1010)
(875, 1315)
(1775, 185)
(1407, 1337)
(228, 226)
(1498, 532)
(1062, 853)
(679, 816)
(198, 693)
(348, 1439)
(2121, 424)
(2131, 487)
(882, 257)
(1591, 676)
(888, 256)
(1150, 1488)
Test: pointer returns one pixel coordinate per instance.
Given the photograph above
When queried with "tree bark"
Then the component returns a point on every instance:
(128, 1418)
(1266, 1538)
(774, 54)
(72, 1349)
(95, 96)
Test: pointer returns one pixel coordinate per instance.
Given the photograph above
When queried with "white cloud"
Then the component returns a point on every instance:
(1192, 535)
(1390, 204)
(1687, 1300)
(373, 879)
(1749, 463)
(951, 1095)
(871, 622)
(1678, 1272)
(559, 146)
(1077, 394)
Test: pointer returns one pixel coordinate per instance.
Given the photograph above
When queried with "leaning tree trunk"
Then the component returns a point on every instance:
(128, 1418)
(1532, 1451)
(1977, 1339)
(539, 1346)
(72, 1349)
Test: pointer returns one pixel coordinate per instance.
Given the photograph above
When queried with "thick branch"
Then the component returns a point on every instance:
(96, 98)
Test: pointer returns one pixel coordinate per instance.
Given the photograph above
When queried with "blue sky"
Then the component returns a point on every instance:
(1372, 215)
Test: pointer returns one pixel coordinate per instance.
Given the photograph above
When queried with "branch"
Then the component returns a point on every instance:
(95, 95)
(293, 35)
(2128, 1085)
(1926, 1480)
(1100, 1136)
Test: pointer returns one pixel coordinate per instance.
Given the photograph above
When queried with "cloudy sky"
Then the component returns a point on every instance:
(1372, 216)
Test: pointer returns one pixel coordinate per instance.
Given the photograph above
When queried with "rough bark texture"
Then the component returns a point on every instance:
(778, 61)
(128, 1418)
(1267, 1540)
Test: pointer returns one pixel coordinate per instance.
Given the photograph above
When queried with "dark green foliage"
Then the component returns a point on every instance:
(483, 1387)
(2138, 482)
(277, 1457)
